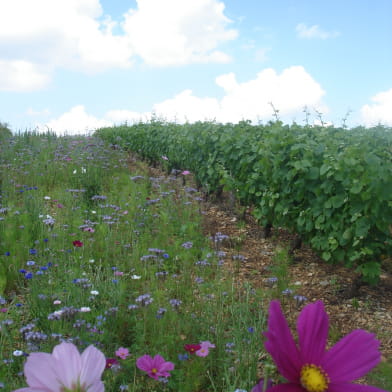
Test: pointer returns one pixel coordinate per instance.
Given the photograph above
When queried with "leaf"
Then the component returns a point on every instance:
(347, 234)
(357, 187)
(313, 173)
(338, 200)
(362, 227)
(324, 168)
(370, 272)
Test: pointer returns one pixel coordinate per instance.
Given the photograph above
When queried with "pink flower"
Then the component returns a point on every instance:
(77, 243)
(65, 369)
(122, 353)
(203, 351)
(185, 172)
(308, 366)
(155, 367)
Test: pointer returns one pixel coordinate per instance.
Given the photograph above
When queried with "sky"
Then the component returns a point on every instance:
(72, 66)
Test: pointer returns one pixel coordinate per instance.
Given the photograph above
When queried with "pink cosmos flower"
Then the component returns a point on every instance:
(65, 370)
(155, 367)
(122, 353)
(185, 172)
(203, 351)
(308, 366)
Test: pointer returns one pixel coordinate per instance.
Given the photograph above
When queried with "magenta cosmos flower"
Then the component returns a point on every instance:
(155, 367)
(65, 370)
(308, 366)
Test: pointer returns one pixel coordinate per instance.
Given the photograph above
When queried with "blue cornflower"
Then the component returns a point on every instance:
(183, 357)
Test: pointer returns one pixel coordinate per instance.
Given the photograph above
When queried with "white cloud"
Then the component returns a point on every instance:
(314, 31)
(380, 111)
(76, 121)
(37, 37)
(19, 75)
(176, 32)
(122, 116)
(187, 107)
(68, 33)
(289, 92)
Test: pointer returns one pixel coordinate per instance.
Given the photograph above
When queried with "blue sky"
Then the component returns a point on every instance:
(75, 65)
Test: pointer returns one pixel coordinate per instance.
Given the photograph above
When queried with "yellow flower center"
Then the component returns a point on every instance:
(154, 370)
(314, 379)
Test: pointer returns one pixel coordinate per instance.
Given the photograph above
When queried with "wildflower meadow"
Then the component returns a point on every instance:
(107, 283)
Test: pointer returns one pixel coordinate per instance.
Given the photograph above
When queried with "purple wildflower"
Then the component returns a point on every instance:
(155, 367)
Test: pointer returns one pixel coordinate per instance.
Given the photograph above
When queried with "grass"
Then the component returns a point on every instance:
(381, 375)
(97, 249)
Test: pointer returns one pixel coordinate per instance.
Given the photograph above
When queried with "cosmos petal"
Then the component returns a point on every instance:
(352, 357)
(280, 344)
(347, 387)
(40, 373)
(68, 363)
(289, 387)
(144, 363)
(312, 327)
(30, 390)
(93, 365)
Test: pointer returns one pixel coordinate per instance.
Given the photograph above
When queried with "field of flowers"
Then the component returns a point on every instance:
(108, 283)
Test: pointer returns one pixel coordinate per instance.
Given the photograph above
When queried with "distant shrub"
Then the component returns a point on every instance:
(4, 130)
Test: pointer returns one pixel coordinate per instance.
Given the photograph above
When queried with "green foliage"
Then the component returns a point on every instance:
(5, 132)
(332, 186)
(381, 376)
